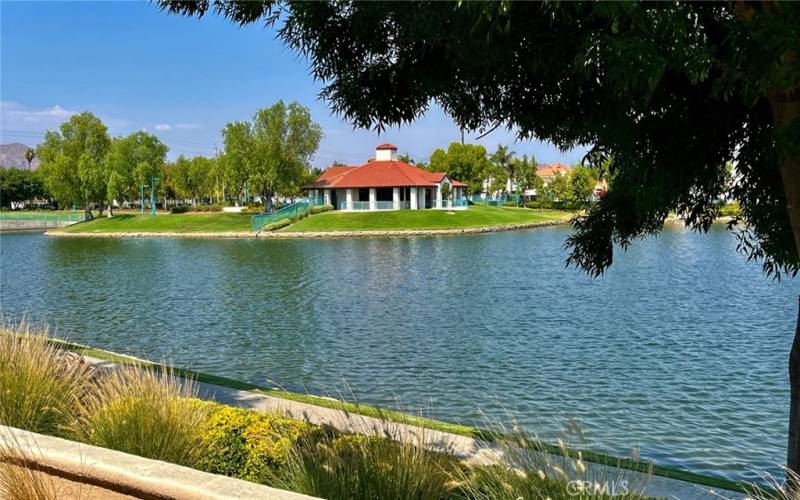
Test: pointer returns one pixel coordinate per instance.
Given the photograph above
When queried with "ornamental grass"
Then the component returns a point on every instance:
(40, 385)
(144, 412)
(523, 467)
(349, 466)
(20, 479)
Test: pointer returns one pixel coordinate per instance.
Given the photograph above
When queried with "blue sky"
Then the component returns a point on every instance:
(181, 79)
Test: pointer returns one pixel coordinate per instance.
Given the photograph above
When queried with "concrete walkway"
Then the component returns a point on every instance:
(471, 450)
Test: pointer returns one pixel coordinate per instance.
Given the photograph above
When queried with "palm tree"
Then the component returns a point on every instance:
(30, 154)
(505, 160)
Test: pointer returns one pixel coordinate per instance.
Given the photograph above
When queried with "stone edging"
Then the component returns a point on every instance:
(314, 234)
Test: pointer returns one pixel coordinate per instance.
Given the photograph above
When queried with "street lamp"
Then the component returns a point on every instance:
(153, 181)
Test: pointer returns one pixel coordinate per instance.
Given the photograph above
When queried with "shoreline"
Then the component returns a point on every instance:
(464, 441)
(311, 234)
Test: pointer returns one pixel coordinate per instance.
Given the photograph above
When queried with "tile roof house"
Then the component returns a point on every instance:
(547, 172)
(386, 183)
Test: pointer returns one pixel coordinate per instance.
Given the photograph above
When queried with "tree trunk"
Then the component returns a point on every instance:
(87, 212)
(267, 199)
(785, 111)
(793, 449)
(110, 210)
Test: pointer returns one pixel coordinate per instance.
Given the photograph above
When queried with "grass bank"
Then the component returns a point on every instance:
(474, 216)
(416, 420)
(166, 223)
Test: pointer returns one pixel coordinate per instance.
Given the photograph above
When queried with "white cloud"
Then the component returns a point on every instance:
(177, 126)
(18, 112)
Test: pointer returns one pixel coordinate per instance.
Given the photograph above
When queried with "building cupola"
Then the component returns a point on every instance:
(386, 152)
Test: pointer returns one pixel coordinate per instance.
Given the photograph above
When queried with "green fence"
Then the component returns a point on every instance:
(291, 211)
(42, 216)
(499, 201)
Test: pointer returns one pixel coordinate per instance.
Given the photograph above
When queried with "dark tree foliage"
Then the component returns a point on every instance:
(18, 185)
(663, 94)
(672, 91)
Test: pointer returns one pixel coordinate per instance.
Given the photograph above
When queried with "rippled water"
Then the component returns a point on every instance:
(680, 349)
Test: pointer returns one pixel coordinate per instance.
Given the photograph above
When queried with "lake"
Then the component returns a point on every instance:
(680, 349)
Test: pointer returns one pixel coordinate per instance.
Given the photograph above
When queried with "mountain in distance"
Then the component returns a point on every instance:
(13, 156)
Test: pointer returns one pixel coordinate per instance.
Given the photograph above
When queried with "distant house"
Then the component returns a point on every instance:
(547, 172)
(386, 183)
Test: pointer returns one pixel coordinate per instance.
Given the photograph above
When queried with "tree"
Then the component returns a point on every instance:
(167, 187)
(671, 91)
(525, 171)
(560, 189)
(447, 191)
(131, 162)
(284, 139)
(238, 156)
(504, 159)
(582, 181)
(30, 154)
(498, 179)
(73, 161)
(406, 158)
(18, 185)
(464, 162)
(190, 177)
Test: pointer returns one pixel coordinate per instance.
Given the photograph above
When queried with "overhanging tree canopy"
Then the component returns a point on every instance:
(671, 91)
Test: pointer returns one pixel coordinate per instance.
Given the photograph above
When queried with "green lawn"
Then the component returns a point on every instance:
(474, 216)
(174, 223)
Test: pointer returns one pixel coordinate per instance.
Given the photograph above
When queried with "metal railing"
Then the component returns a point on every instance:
(499, 201)
(43, 216)
(291, 211)
(384, 205)
(354, 205)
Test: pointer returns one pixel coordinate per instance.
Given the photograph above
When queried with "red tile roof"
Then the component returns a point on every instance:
(374, 174)
(332, 172)
(387, 146)
(552, 169)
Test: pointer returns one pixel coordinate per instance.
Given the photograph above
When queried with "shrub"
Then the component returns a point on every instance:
(140, 411)
(367, 467)
(277, 225)
(247, 444)
(179, 209)
(40, 383)
(510, 204)
(555, 205)
(318, 209)
(207, 208)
